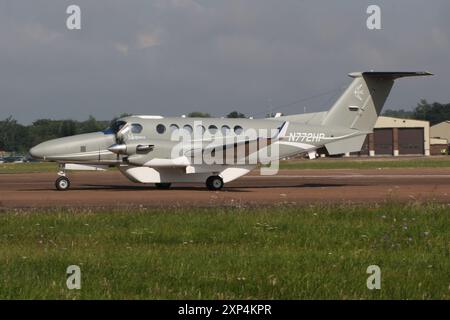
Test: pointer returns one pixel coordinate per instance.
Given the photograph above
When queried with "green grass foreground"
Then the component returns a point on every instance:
(28, 167)
(227, 253)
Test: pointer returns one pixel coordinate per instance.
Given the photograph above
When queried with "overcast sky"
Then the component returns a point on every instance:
(172, 57)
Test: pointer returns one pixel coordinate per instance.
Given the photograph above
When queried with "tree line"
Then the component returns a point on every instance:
(433, 112)
(15, 137)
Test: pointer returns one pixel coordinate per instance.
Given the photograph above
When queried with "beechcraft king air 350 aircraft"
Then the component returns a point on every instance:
(153, 149)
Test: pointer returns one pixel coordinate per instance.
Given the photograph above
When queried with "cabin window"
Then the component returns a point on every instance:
(200, 129)
(136, 128)
(174, 131)
(83, 149)
(187, 128)
(225, 130)
(160, 128)
(238, 130)
(212, 129)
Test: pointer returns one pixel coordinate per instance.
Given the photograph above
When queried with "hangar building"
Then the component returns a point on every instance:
(396, 137)
(441, 130)
(440, 137)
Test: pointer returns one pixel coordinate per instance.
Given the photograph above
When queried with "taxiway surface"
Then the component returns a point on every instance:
(293, 187)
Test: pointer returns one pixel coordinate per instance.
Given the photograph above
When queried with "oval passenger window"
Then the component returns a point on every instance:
(200, 129)
(212, 129)
(225, 130)
(187, 128)
(160, 128)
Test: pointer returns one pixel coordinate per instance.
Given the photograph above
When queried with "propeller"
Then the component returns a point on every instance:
(124, 147)
(118, 147)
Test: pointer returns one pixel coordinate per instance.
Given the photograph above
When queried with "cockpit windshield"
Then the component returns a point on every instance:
(115, 127)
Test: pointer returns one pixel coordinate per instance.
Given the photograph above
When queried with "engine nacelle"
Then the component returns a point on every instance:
(132, 147)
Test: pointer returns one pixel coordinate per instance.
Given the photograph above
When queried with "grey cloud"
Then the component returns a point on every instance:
(174, 56)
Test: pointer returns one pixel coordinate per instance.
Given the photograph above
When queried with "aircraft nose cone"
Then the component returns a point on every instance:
(37, 152)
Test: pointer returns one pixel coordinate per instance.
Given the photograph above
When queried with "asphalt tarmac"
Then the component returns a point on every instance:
(293, 187)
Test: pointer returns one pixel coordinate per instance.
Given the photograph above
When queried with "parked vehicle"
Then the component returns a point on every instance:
(14, 160)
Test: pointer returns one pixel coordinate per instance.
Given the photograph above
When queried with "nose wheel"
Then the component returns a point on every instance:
(62, 183)
(214, 183)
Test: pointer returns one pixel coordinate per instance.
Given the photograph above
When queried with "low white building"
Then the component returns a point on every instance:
(441, 130)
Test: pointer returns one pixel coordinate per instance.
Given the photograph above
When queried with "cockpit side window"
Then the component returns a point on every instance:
(136, 128)
(115, 127)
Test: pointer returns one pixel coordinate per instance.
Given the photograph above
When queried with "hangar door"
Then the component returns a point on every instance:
(411, 141)
(383, 140)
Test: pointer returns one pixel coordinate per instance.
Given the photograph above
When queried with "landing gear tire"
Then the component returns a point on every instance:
(214, 183)
(62, 183)
(164, 185)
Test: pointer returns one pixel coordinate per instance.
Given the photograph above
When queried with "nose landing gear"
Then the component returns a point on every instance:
(62, 183)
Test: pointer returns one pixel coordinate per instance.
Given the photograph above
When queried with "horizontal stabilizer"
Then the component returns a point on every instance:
(390, 74)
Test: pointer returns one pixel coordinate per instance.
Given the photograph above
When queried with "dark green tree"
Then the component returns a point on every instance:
(235, 115)
(44, 129)
(13, 136)
(68, 128)
(435, 112)
(404, 114)
(91, 125)
(198, 114)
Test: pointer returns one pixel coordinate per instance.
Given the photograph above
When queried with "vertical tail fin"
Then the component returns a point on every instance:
(360, 105)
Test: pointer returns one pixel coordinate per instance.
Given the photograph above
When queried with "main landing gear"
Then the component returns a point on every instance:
(214, 183)
(62, 183)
